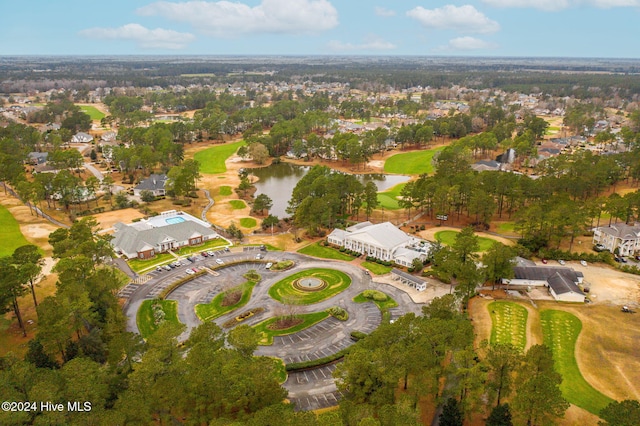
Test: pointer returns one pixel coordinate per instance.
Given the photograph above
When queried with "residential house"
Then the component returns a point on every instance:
(620, 236)
(81, 137)
(36, 158)
(562, 282)
(154, 183)
(486, 165)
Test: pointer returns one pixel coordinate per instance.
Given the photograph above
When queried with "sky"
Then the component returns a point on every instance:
(518, 28)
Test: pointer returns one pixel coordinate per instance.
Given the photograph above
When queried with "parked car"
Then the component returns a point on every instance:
(583, 262)
(219, 261)
(210, 253)
(623, 259)
(544, 261)
(562, 262)
(638, 258)
(268, 265)
(599, 247)
(226, 249)
(167, 267)
(159, 268)
(190, 272)
(204, 254)
(258, 256)
(191, 259)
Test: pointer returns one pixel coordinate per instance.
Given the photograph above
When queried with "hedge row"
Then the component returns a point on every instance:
(297, 366)
(164, 293)
(358, 335)
(378, 261)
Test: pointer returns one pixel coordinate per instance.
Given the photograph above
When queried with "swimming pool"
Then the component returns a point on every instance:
(174, 220)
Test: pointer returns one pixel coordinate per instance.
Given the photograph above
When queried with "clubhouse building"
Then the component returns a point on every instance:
(168, 231)
(383, 241)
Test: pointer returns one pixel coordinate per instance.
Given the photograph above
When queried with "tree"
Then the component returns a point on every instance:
(147, 196)
(11, 289)
(258, 152)
(502, 360)
(370, 197)
(451, 414)
(466, 245)
(538, 399)
(261, 203)
(417, 265)
(498, 262)
(270, 221)
(29, 262)
(122, 200)
(244, 339)
(107, 187)
(92, 184)
(500, 416)
(623, 413)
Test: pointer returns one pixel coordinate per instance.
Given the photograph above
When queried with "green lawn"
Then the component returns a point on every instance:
(449, 237)
(210, 244)
(317, 250)
(145, 318)
(10, 235)
(507, 228)
(214, 309)
(283, 291)
(509, 323)
(382, 305)
(237, 204)
(279, 370)
(411, 163)
(376, 268)
(267, 335)
(389, 199)
(212, 159)
(225, 190)
(93, 112)
(560, 330)
(138, 265)
(248, 222)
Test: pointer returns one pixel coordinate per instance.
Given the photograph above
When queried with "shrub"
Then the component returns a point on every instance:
(338, 313)
(295, 366)
(376, 295)
(358, 335)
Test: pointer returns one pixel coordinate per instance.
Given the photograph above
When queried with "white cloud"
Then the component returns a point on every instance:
(370, 43)
(158, 38)
(466, 19)
(553, 5)
(383, 11)
(224, 18)
(468, 43)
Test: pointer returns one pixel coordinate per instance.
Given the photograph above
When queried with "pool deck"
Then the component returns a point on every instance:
(172, 217)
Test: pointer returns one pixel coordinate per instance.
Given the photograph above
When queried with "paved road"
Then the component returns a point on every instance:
(97, 173)
(314, 388)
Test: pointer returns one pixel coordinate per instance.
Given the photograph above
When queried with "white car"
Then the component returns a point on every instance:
(562, 262)
(583, 262)
(190, 271)
(210, 253)
(268, 265)
(219, 262)
(258, 256)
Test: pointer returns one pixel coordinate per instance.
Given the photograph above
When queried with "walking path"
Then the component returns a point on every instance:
(208, 206)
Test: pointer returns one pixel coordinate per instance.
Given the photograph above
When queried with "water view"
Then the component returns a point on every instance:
(278, 181)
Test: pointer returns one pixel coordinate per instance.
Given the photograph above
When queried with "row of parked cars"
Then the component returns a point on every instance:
(191, 259)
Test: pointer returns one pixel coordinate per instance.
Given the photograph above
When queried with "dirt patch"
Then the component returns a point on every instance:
(285, 323)
(231, 298)
(108, 219)
(576, 416)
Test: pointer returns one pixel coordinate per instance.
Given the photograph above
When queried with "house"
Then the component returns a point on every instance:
(168, 231)
(486, 165)
(625, 238)
(36, 158)
(81, 137)
(154, 183)
(562, 282)
(383, 241)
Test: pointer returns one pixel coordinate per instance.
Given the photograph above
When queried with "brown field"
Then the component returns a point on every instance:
(607, 356)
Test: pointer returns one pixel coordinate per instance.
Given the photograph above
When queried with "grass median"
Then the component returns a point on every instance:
(225, 302)
(268, 329)
(283, 291)
(149, 317)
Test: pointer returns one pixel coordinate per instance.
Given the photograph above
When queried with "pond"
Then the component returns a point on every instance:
(278, 181)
